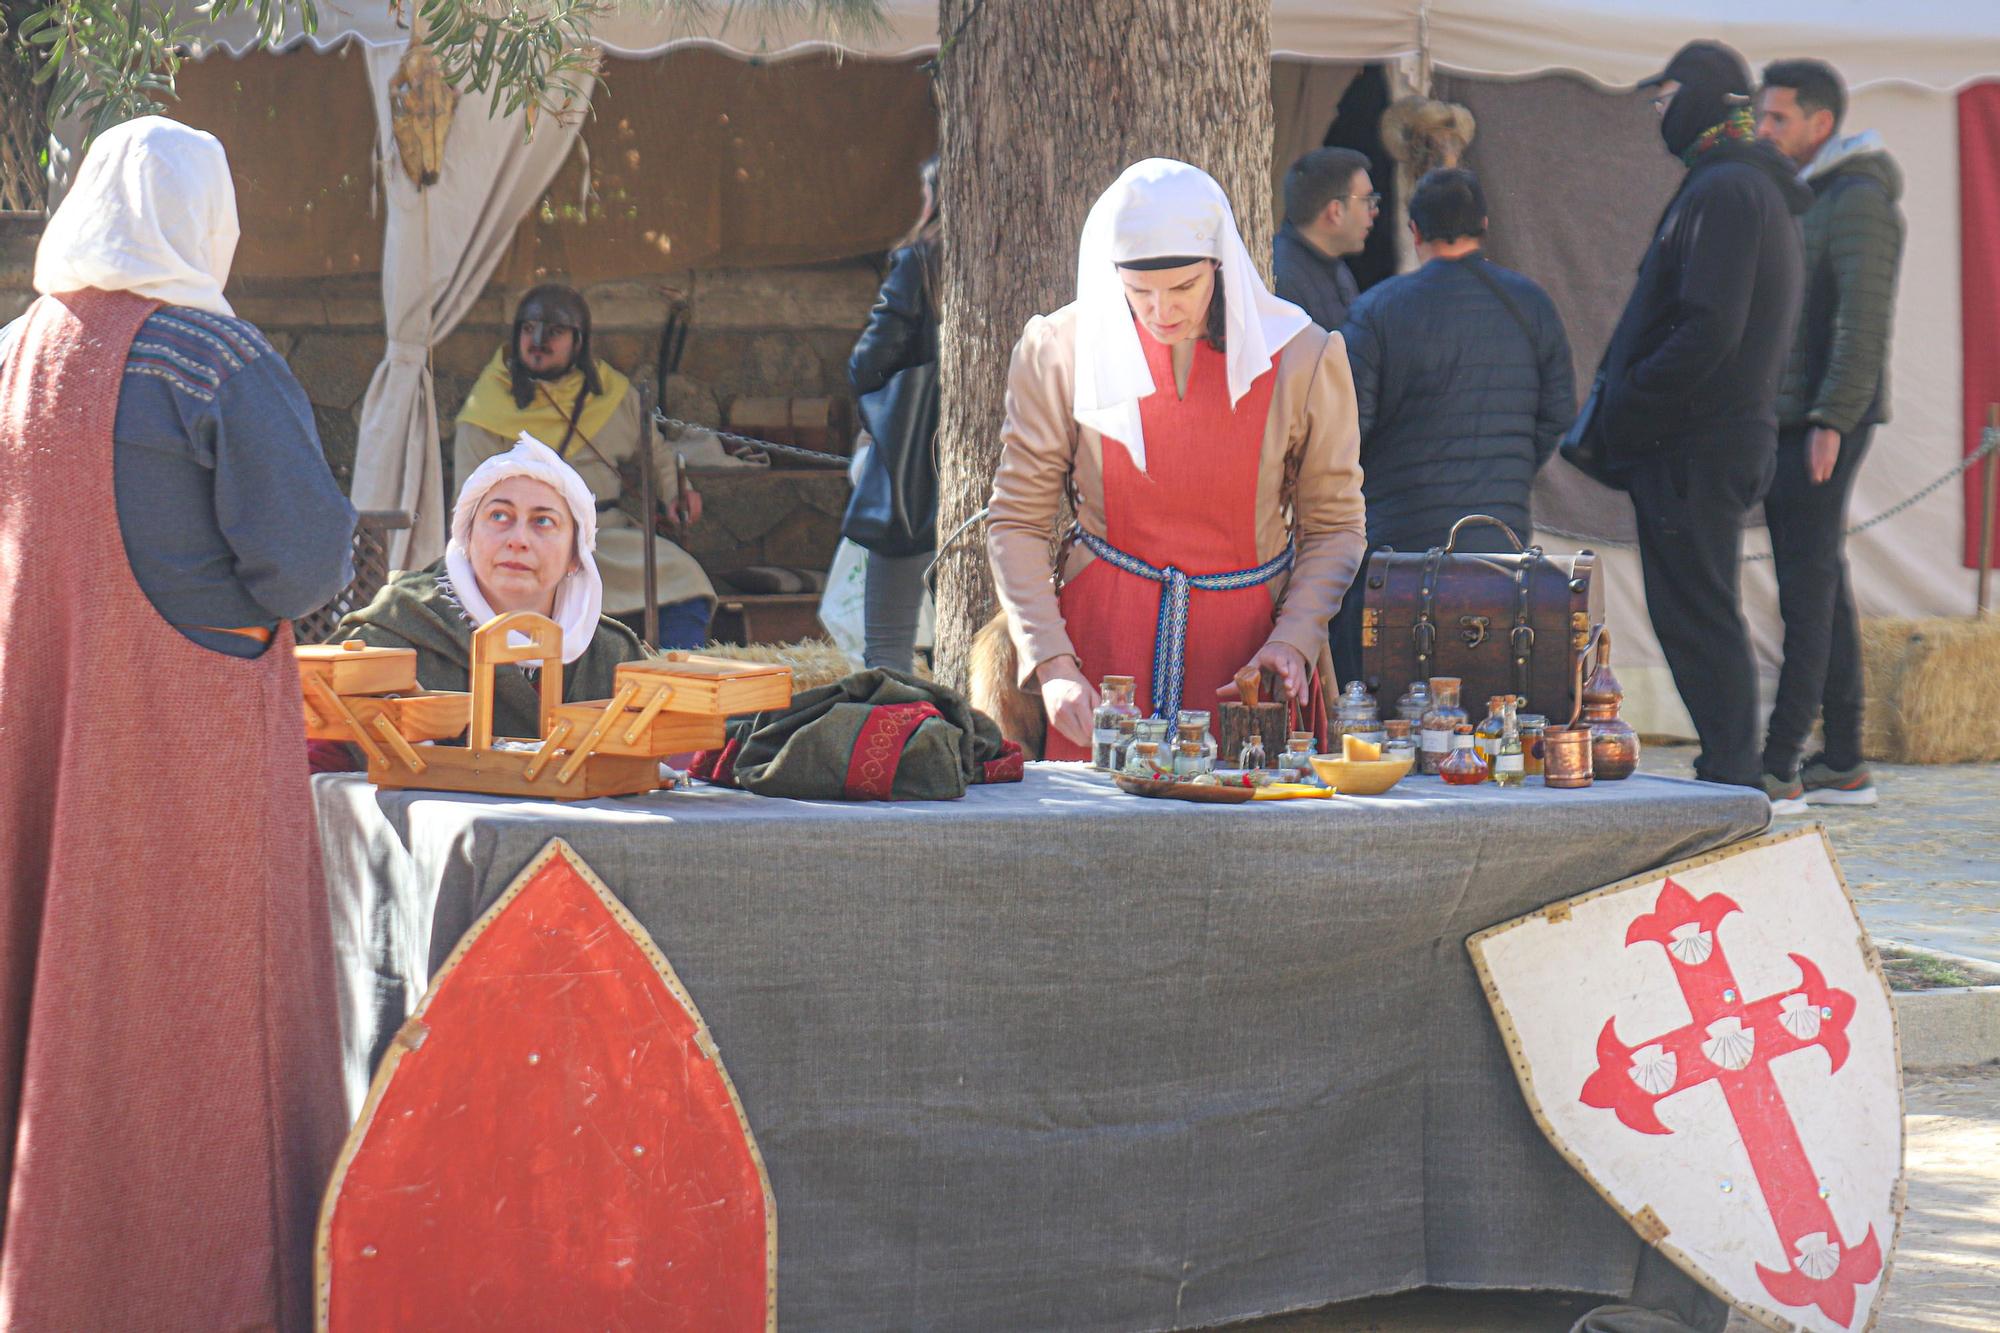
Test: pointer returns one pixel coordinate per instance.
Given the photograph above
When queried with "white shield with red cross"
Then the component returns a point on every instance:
(1713, 1047)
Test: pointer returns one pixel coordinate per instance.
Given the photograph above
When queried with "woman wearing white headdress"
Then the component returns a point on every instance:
(523, 538)
(1206, 432)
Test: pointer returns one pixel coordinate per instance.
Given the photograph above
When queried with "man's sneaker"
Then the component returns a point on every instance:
(1787, 795)
(1836, 786)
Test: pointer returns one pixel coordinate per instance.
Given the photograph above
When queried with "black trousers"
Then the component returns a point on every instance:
(1822, 671)
(1690, 508)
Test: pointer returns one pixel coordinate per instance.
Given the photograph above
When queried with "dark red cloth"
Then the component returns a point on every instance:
(1194, 507)
(878, 750)
(170, 1101)
(1979, 280)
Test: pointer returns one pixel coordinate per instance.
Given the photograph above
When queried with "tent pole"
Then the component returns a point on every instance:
(1986, 470)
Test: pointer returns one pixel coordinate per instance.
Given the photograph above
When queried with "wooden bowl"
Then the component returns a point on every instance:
(1360, 777)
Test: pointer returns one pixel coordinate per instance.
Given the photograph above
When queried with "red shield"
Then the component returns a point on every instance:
(1713, 1046)
(552, 1142)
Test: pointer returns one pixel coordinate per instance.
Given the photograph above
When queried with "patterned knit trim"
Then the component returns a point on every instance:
(194, 351)
(1740, 127)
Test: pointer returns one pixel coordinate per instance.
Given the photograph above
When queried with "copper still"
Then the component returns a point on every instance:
(1614, 745)
(1566, 758)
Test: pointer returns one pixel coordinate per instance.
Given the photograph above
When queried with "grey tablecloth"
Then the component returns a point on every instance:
(1057, 1057)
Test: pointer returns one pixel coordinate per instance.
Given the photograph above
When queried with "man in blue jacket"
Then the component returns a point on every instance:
(1690, 386)
(1463, 382)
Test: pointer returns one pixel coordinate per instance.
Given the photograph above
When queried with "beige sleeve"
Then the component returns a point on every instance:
(1332, 527)
(1037, 447)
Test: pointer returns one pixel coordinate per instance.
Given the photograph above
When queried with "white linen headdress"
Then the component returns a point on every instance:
(580, 595)
(1160, 209)
(153, 212)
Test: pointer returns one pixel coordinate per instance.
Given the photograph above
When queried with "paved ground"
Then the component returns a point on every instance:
(1924, 866)
(1947, 1274)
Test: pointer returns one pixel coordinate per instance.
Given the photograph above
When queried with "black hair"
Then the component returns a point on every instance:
(1317, 179)
(1448, 205)
(1814, 85)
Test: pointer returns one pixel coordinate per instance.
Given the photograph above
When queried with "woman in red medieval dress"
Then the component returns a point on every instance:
(1205, 433)
(170, 1101)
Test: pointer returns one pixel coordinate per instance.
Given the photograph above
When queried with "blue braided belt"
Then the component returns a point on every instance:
(1170, 636)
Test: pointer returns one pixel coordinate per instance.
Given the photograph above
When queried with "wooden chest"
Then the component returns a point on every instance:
(1509, 623)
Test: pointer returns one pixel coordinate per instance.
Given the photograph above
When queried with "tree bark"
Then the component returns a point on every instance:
(1042, 105)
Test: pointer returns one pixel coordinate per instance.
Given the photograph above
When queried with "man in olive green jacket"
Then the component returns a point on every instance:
(1835, 391)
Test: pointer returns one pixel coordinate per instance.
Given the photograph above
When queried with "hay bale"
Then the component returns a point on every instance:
(814, 662)
(1933, 691)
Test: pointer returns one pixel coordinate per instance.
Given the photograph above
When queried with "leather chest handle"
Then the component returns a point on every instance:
(1451, 542)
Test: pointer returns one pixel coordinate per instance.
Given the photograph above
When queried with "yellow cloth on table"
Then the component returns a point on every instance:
(546, 417)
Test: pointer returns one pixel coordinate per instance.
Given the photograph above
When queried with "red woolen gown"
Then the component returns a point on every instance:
(1195, 506)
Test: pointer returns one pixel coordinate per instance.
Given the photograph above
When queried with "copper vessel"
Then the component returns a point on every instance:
(1566, 758)
(1614, 745)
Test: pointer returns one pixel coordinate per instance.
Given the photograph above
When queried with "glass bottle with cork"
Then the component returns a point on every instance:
(1112, 727)
(1440, 722)
(1509, 764)
(1462, 767)
(1486, 736)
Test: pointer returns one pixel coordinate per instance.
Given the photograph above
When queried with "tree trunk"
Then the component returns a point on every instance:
(1042, 105)
(24, 124)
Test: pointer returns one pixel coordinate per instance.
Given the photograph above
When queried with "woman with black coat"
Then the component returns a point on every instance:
(902, 336)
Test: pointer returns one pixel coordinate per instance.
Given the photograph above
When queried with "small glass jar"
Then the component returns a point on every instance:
(1295, 764)
(1532, 726)
(1413, 705)
(1115, 710)
(1251, 758)
(1154, 729)
(1144, 761)
(1440, 722)
(1463, 767)
(1400, 743)
(1486, 736)
(1191, 758)
(1197, 720)
(1509, 764)
(1356, 715)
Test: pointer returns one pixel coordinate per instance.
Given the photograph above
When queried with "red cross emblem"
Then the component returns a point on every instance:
(1732, 1041)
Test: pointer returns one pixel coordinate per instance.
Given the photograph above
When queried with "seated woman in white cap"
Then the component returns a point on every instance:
(1206, 433)
(523, 535)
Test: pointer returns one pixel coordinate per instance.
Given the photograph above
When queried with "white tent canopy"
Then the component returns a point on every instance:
(1937, 44)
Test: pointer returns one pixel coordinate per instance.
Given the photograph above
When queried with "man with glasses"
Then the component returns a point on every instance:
(1690, 384)
(1463, 382)
(1330, 205)
(545, 382)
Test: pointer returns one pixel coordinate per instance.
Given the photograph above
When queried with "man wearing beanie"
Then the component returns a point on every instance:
(1690, 386)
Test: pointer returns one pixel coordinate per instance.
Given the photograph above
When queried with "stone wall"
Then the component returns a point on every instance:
(772, 332)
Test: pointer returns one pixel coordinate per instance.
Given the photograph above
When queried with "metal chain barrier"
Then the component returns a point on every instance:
(662, 420)
(1989, 442)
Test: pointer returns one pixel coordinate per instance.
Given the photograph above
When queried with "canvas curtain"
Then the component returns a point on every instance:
(1304, 96)
(439, 247)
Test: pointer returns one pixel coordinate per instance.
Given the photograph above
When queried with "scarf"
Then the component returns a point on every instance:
(547, 415)
(153, 213)
(1740, 126)
(1160, 209)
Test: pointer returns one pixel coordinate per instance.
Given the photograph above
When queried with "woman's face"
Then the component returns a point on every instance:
(1171, 304)
(523, 542)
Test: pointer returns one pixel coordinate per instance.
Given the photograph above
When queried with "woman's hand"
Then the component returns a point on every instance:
(1284, 659)
(1067, 699)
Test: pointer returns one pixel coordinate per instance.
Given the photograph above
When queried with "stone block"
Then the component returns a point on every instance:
(828, 296)
(1945, 1029)
(339, 432)
(465, 351)
(785, 364)
(690, 400)
(335, 367)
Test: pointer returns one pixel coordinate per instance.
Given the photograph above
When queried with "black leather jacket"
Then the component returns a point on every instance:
(902, 328)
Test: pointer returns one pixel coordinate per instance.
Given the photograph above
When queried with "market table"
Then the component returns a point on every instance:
(1053, 1056)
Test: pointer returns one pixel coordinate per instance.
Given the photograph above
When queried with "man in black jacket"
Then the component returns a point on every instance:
(1835, 391)
(1690, 385)
(1330, 205)
(1463, 382)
